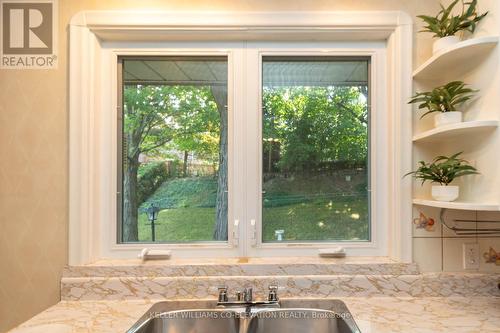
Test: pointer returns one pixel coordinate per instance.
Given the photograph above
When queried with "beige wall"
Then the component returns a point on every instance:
(34, 151)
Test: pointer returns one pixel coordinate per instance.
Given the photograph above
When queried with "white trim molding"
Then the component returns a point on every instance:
(158, 25)
(92, 31)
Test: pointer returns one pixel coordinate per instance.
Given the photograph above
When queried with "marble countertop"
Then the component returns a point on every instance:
(372, 314)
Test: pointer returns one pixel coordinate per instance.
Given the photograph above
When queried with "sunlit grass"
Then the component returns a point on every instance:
(188, 212)
(185, 224)
(305, 221)
(317, 221)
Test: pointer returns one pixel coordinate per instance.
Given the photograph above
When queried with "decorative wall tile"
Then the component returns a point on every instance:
(451, 215)
(485, 246)
(488, 216)
(430, 213)
(452, 260)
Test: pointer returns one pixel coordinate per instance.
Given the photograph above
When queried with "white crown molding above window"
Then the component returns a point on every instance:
(157, 25)
(88, 195)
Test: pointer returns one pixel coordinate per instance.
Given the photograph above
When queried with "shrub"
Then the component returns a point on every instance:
(150, 178)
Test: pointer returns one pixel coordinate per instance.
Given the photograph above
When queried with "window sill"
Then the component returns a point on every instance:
(271, 266)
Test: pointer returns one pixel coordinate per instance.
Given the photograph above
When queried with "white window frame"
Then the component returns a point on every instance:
(109, 231)
(95, 39)
(379, 142)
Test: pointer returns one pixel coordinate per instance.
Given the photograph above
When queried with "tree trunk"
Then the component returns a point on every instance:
(130, 187)
(185, 166)
(130, 203)
(220, 232)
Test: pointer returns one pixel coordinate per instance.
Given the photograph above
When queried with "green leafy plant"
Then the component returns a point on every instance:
(445, 98)
(446, 24)
(443, 169)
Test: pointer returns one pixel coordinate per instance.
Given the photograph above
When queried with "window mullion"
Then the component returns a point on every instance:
(253, 189)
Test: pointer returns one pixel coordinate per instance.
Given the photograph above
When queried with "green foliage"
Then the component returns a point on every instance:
(443, 170)
(446, 24)
(159, 118)
(313, 125)
(145, 126)
(445, 98)
(198, 124)
(150, 177)
(185, 192)
(316, 125)
(175, 168)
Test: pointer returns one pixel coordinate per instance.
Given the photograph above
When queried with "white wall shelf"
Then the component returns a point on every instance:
(455, 130)
(458, 205)
(458, 59)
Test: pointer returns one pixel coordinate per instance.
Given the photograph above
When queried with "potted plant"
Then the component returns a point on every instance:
(444, 100)
(443, 170)
(445, 25)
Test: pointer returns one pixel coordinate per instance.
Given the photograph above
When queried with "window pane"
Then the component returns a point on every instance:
(174, 149)
(315, 161)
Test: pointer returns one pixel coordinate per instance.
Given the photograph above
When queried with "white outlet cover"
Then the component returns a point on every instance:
(470, 255)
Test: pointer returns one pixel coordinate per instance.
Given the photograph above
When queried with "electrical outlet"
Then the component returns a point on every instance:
(471, 255)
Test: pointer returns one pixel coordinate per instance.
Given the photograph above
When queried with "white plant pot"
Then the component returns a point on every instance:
(445, 193)
(444, 43)
(447, 118)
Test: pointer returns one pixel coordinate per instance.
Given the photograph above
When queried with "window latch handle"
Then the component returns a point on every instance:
(236, 233)
(253, 233)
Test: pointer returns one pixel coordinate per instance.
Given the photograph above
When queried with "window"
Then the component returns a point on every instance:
(98, 40)
(315, 166)
(174, 163)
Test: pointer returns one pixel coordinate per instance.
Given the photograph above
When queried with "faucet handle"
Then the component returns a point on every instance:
(247, 294)
(222, 294)
(273, 293)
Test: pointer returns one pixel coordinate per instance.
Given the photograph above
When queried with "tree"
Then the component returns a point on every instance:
(316, 125)
(183, 118)
(146, 128)
(198, 125)
(220, 232)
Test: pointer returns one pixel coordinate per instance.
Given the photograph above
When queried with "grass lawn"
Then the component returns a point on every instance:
(182, 224)
(336, 219)
(305, 221)
(188, 212)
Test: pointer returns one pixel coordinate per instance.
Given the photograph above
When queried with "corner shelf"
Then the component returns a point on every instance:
(458, 205)
(457, 59)
(455, 130)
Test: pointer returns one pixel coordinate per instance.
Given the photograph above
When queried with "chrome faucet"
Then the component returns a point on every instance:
(245, 298)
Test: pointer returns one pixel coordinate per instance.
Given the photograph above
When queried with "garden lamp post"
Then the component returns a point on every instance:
(152, 212)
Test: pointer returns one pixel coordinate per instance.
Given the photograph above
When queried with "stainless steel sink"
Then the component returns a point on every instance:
(294, 316)
(199, 321)
(299, 321)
